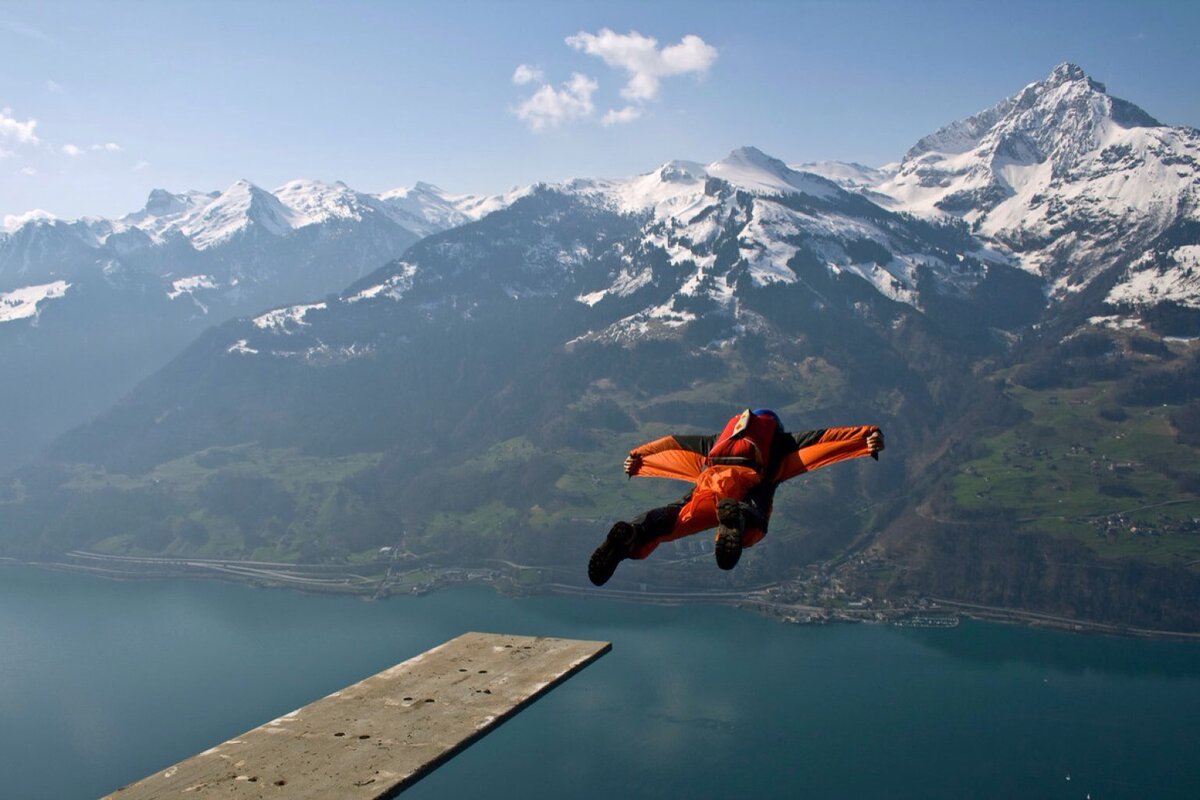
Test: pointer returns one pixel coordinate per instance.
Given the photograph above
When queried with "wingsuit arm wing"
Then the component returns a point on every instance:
(822, 447)
(678, 457)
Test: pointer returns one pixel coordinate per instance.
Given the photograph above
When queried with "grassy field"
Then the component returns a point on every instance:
(247, 501)
(1114, 484)
(289, 467)
(541, 498)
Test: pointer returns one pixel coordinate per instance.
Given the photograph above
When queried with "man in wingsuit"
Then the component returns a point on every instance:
(734, 476)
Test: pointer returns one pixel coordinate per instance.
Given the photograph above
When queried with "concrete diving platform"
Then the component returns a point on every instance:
(376, 738)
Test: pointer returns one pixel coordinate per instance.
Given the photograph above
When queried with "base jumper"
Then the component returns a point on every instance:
(734, 476)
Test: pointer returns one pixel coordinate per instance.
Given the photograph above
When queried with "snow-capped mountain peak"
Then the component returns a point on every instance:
(751, 220)
(164, 209)
(238, 238)
(849, 175)
(752, 170)
(237, 208)
(425, 208)
(162, 203)
(12, 222)
(679, 188)
(1060, 116)
(1061, 173)
(1059, 122)
(313, 202)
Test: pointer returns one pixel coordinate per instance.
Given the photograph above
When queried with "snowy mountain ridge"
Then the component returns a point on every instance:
(175, 230)
(207, 218)
(1069, 180)
(778, 213)
(241, 249)
(694, 241)
(1060, 179)
(98, 304)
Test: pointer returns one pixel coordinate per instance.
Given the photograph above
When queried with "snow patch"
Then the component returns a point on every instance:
(23, 303)
(237, 208)
(750, 169)
(393, 288)
(1115, 322)
(425, 209)
(763, 244)
(848, 175)
(190, 284)
(14, 221)
(280, 319)
(314, 202)
(1179, 281)
(625, 284)
(242, 347)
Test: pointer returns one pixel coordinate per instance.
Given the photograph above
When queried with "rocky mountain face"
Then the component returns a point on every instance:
(240, 249)
(474, 398)
(91, 306)
(1079, 187)
(699, 243)
(482, 383)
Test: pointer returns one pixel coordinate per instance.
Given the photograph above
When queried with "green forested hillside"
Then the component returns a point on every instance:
(463, 405)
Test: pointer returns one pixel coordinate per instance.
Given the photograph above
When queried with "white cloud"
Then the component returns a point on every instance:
(642, 59)
(108, 147)
(72, 150)
(14, 130)
(14, 221)
(620, 117)
(526, 74)
(53, 86)
(141, 165)
(549, 107)
(6, 153)
(28, 171)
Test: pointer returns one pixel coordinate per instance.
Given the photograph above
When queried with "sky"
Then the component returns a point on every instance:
(100, 102)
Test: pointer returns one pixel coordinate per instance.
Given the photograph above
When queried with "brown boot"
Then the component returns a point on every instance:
(612, 551)
(729, 533)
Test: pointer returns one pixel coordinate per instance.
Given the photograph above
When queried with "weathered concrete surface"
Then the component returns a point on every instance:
(379, 736)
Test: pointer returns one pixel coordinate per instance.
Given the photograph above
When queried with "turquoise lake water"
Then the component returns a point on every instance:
(103, 682)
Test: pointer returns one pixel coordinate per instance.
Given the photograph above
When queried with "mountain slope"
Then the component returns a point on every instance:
(473, 399)
(89, 307)
(1076, 183)
(483, 382)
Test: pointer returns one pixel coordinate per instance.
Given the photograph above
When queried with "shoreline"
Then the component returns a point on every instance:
(339, 579)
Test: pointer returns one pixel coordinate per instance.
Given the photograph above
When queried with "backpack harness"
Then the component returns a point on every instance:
(745, 441)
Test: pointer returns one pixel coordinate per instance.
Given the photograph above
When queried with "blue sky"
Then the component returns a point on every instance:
(129, 96)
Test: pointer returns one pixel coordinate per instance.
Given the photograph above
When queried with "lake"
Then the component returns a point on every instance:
(103, 682)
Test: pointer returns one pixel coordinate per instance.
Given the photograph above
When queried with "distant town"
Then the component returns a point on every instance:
(819, 596)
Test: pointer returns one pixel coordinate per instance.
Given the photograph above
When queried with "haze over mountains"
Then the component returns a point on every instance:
(474, 394)
(89, 307)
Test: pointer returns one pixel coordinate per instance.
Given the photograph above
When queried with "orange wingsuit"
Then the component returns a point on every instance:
(666, 458)
(734, 475)
(750, 474)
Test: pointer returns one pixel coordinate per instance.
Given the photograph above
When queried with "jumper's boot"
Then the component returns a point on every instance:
(732, 525)
(612, 551)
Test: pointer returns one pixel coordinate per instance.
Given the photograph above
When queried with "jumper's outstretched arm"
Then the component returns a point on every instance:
(679, 457)
(816, 449)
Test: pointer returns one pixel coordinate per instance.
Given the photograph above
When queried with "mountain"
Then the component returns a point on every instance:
(89, 307)
(243, 232)
(467, 397)
(1081, 188)
(473, 398)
